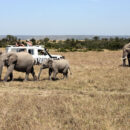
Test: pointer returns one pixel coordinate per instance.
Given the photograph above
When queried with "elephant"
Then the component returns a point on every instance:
(126, 54)
(55, 66)
(19, 61)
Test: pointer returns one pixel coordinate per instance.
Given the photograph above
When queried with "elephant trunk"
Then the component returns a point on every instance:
(39, 73)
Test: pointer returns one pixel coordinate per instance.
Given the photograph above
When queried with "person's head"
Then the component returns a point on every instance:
(18, 42)
(27, 40)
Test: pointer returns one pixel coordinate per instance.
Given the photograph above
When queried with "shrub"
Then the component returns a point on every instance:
(94, 44)
(61, 50)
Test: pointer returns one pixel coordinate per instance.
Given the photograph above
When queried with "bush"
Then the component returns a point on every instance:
(94, 44)
(62, 50)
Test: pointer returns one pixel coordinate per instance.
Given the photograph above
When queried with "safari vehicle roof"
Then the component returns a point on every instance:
(26, 47)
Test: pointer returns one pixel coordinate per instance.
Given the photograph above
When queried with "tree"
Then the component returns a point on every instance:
(54, 41)
(96, 38)
(11, 38)
(33, 41)
(46, 40)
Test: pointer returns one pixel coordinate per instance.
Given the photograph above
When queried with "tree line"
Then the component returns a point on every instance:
(95, 44)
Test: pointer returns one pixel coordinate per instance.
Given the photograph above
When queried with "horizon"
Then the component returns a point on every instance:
(66, 17)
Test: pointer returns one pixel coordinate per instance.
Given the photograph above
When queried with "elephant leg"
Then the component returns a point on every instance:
(1, 68)
(9, 71)
(33, 74)
(128, 57)
(65, 74)
(124, 62)
(11, 76)
(26, 76)
(50, 72)
(129, 61)
(54, 74)
(28, 70)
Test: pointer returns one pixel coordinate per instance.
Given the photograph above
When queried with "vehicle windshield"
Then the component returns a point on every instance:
(41, 52)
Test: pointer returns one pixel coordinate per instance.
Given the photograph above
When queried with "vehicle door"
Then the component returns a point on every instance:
(42, 55)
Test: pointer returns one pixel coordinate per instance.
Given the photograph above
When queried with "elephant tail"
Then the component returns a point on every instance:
(34, 62)
(70, 71)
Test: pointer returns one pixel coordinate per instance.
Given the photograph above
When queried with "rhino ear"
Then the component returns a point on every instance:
(50, 63)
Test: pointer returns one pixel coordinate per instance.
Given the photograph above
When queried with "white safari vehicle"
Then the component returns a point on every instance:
(39, 53)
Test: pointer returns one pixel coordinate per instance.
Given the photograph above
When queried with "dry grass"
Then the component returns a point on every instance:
(95, 97)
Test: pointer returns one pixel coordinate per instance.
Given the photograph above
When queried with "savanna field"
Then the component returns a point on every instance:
(95, 97)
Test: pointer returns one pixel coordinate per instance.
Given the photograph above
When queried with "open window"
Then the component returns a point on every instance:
(21, 49)
(31, 51)
(41, 52)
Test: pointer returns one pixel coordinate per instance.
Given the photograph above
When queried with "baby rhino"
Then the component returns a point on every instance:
(55, 66)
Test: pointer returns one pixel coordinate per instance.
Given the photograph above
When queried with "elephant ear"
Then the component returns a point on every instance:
(128, 50)
(50, 63)
(12, 59)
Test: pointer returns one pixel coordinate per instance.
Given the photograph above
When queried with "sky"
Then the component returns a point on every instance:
(65, 17)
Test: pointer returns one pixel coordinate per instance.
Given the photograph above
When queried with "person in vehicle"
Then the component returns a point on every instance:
(19, 44)
(29, 43)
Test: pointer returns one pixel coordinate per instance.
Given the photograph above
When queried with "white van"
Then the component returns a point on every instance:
(39, 53)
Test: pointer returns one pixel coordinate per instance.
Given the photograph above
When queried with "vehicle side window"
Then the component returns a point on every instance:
(19, 50)
(31, 51)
